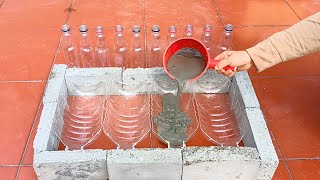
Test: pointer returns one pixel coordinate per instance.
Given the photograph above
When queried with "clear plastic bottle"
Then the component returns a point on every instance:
(217, 119)
(206, 36)
(155, 57)
(188, 31)
(172, 35)
(83, 118)
(86, 51)
(127, 115)
(137, 59)
(101, 51)
(226, 38)
(69, 49)
(120, 49)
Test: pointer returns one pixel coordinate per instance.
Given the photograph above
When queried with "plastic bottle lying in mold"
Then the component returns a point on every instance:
(83, 117)
(217, 118)
(127, 116)
(174, 120)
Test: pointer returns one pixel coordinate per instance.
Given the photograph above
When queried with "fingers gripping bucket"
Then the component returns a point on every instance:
(193, 44)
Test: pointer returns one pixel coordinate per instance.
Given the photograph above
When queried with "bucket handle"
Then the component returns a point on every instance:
(213, 63)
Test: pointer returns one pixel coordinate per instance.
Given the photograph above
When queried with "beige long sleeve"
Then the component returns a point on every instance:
(300, 39)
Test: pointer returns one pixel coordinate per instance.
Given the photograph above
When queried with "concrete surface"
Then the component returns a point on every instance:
(137, 164)
(65, 165)
(220, 163)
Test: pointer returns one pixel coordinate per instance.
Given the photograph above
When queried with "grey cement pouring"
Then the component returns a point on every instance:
(172, 124)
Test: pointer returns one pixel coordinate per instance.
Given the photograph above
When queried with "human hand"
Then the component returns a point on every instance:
(239, 59)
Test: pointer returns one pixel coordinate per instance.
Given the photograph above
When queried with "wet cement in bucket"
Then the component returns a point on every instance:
(172, 123)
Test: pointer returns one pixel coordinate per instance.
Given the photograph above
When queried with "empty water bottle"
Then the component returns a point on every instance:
(101, 51)
(69, 49)
(172, 35)
(217, 119)
(127, 115)
(83, 117)
(226, 38)
(188, 31)
(155, 56)
(120, 48)
(206, 36)
(86, 52)
(137, 58)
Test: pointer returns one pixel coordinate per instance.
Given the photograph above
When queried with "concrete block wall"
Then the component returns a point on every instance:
(220, 163)
(258, 160)
(155, 164)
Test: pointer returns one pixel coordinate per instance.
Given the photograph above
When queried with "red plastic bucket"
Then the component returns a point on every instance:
(194, 44)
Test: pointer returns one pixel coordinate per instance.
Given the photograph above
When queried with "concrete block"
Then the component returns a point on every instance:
(206, 163)
(148, 164)
(70, 165)
(56, 84)
(155, 80)
(263, 142)
(241, 83)
(92, 81)
(51, 122)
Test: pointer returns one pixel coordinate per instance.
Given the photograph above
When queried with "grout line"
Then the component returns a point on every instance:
(38, 110)
(281, 154)
(69, 12)
(9, 165)
(218, 11)
(292, 9)
(257, 26)
(1, 3)
(303, 159)
(294, 76)
(28, 140)
(22, 81)
(288, 169)
(276, 142)
(145, 33)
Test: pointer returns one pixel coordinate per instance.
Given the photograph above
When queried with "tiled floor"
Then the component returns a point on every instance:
(29, 33)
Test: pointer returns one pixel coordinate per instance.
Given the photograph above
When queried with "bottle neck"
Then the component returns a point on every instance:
(228, 35)
(66, 39)
(172, 35)
(136, 40)
(227, 40)
(66, 34)
(155, 39)
(207, 38)
(84, 39)
(188, 34)
(100, 40)
(119, 39)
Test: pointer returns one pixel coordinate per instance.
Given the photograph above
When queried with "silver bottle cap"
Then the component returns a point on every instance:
(155, 28)
(172, 29)
(136, 29)
(83, 28)
(189, 28)
(99, 29)
(228, 27)
(207, 28)
(119, 28)
(65, 28)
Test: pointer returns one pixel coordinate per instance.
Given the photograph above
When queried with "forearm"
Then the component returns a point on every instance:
(298, 40)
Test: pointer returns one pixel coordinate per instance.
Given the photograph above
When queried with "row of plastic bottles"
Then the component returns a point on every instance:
(126, 120)
(98, 56)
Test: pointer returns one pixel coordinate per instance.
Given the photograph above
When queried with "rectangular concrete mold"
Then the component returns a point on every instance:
(257, 160)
